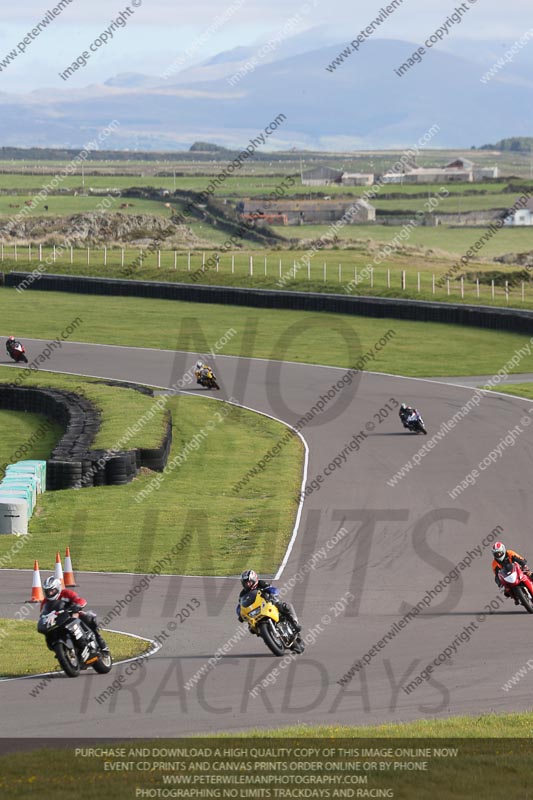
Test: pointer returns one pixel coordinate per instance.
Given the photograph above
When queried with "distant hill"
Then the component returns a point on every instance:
(362, 104)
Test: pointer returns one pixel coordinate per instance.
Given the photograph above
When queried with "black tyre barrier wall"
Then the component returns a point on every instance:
(72, 463)
(514, 320)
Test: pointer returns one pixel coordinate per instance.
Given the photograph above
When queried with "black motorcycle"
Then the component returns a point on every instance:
(71, 639)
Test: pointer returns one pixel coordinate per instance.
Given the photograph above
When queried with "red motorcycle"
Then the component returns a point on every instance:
(18, 353)
(517, 584)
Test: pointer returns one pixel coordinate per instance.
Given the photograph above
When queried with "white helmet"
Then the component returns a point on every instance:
(52, 588)
(199, 364)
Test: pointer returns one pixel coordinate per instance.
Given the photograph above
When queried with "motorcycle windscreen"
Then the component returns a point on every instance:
(249, 598)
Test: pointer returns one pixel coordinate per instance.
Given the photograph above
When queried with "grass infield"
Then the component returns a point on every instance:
(107, 528)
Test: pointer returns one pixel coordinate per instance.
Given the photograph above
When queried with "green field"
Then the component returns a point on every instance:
(24, 651)
(65, 205)
(21, 429)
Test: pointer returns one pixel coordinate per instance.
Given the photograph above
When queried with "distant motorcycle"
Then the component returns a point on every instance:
(208, 380)
(517, 584)
(263, 617)
(18, 353)
(72, 641)
(416, 424)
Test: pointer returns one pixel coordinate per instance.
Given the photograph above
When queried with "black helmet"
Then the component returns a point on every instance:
(249, 579)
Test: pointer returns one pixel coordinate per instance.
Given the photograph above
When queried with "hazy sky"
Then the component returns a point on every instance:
(160, 31)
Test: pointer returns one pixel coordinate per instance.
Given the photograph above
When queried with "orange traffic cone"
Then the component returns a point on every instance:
(69, 574)
(36, 588)
(58, 573)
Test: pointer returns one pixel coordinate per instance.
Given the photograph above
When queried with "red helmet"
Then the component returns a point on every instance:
(11, 339)
(499, 551)
(249, 579)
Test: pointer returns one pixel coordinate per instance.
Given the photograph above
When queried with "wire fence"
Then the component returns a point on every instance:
(281, 270)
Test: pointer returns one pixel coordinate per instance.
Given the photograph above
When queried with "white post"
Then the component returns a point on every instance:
(265, 265)
(217, 260)
(122, 257)
(54, 254)
(403, 280)
(88, 255)
(40, 252)
(105, 256)
(325, 272)
(506, 291)
(140, 257)
(523, 298)
(16, 259)
(371, 277)
(433, 283)
(203, 262)
(355, 276)
(477, 287)
(309, 269)
(448, 286)
(418, 282)
(175, 259)
(388, 279)
(71, 255)
(340, 273)
(462, 287)
(189, 261)
(492, 288)
(280, 268)
(29, 252)
(251, 265)
(232, 264)
(159, 259)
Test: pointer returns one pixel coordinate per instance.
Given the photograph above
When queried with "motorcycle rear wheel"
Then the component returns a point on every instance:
(524, 597)
(104, 664)
(272, 640)
(68, 658)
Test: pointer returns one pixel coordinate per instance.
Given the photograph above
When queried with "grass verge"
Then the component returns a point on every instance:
(106, 527)
(417, 349)
(24, 651)
(520, 389)
(315, 762)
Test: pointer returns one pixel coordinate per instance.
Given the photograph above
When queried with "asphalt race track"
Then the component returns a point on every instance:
(398, 543)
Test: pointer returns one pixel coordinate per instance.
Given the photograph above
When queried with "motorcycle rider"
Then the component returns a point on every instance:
(405, 413)
(201, 371)
(11, 344)
(53, 591)
(250, 580)
(503, 557)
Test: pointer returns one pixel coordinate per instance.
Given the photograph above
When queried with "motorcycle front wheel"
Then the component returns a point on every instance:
(524, 597)
(104, 664)
(68, 658)
(271, 638)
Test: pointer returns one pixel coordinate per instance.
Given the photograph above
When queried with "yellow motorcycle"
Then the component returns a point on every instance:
(263, 617)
